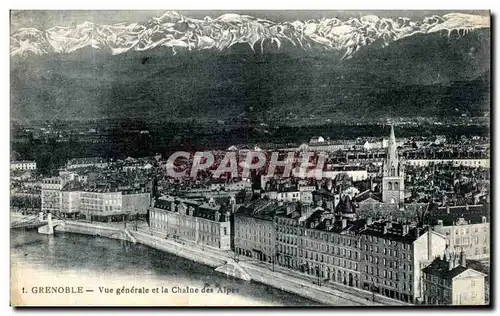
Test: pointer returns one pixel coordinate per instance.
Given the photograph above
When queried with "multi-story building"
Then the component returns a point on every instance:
(330, 249)
(448, 281)
(70, 199)
(357, 173)
(466, 228)
(254, 232)
(319, 243)
(136, 201)
(76, 163)
(51, 194)
(101, 203)
(393, 255)
(23, 165)
(287, 222)
(207, 224)
(475, 163)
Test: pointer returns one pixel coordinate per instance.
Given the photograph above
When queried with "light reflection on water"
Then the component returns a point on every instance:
(98, 257)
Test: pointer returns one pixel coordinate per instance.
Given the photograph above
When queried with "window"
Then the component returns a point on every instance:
(225, 231)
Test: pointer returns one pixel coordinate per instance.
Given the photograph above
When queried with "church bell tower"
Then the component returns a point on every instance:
(393, 185)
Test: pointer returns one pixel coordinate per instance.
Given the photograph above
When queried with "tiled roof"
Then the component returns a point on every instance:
(441, 268)
(472, 213)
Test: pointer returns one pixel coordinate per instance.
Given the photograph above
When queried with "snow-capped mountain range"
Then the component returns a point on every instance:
(177, 32)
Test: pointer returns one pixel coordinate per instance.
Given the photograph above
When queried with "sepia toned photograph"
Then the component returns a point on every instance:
(308, 158)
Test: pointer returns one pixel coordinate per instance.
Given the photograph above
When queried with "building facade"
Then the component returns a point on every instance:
(393, 255)
(51, 194)
(23, 165)
(101, 203)
(467, 229)
(254, 231)
(207, 224)
(448, 281)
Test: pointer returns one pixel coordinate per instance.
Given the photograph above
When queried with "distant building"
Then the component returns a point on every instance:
(316, 140)
(207, 224)
(357, 173)
(375, 144)
(23, 165)
(467, 229)
(86, 162)
(484, 163)
(448, 281)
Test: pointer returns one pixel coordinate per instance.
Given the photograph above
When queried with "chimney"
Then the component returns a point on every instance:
(440, 222)
(344, 223)
(405, 229)
(228, 216)
(369, 221)
(447, 209)
(217, 216)
(385, 229)
(466, 206)
(429, 243)
(463, 261)
(451, 264)
(445, 254)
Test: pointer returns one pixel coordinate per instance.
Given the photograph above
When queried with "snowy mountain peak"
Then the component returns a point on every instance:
(177, 32)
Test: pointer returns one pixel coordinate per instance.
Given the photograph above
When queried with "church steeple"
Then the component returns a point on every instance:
(393, 173)
(392, 154)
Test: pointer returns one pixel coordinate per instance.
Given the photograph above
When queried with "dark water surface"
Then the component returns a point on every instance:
(89, 256)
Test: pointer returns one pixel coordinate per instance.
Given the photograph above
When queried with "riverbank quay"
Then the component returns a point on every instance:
(223, 261)
(94, 230)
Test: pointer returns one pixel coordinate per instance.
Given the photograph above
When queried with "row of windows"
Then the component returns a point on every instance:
(387, 252)
(338, 240)
(387, 242)
(406, 286)
(335, 261)
(392, 275)
(245, 233)
(254, 238)
(192, 233)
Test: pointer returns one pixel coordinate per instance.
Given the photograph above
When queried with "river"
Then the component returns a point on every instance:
(102, 261)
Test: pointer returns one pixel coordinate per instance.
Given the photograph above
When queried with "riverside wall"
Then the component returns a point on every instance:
(177, 249)
(220, 262)
(93, 230)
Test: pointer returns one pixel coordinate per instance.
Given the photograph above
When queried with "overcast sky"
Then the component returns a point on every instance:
(46, 19)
